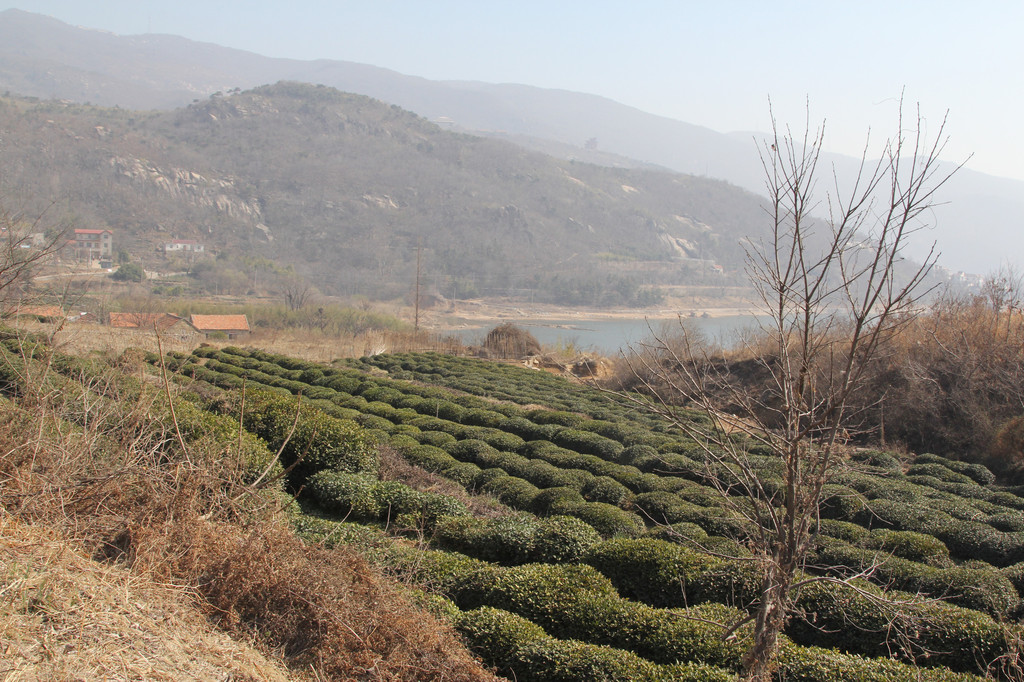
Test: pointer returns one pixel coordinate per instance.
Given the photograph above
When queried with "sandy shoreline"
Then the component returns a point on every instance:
(474, 313)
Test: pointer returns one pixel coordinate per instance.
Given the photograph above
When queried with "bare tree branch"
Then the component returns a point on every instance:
(833, 291)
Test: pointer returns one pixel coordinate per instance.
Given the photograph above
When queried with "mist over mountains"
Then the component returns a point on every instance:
(977, 229)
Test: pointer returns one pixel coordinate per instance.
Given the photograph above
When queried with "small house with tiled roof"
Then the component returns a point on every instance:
(231, 325)
(165, 324)
(43, 313)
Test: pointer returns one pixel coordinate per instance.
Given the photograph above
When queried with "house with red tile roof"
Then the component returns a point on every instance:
(165, 324)
(91, 245)
(43, 313)
(231, 325)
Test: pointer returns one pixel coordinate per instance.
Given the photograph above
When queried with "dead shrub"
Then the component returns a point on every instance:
(326, 610)
(511, 342)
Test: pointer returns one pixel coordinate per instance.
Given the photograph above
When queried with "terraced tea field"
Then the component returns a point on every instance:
(610, 550)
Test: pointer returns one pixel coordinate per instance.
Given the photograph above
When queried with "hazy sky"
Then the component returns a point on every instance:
(710, 63)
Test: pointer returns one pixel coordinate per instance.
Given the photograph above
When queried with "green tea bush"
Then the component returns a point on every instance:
(321, 441)
(563, 539)
(438, 439)
(939, 471)
(815, 664)
(463, 473)
(526, 429)
(450, 411)
(633, 453)
(544, 475)
(506, 540)
(515, 492)
(934, 633)
(250, 452)
(345, 494)
(908, 545)
(430, 458)
(981, 589)
(589, 443)
(1015, 574)
(608, 520)
(558, 500)
(378, 393)
(362, 497)
(372, 421)
(663, 508)
(895, 487)
(883, 513)
(497, 636)
(1008, 522)
(485, 476)
(469, 450)
(417, 403)
(575, 601)
(683, 533)
(406, 429)
(515, 465)
(430, 423)
(344, 384)
(877, 458)
(665, 574)
(648, 570)
(560, 418)
(977, 472)
(521, 650)
(557, 660)
(605, 489)
(517, 538)
(1007, 499)
(482, 417)
(402, 442)
(507, 442)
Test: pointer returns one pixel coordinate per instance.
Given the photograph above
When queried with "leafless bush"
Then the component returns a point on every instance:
(509, 341)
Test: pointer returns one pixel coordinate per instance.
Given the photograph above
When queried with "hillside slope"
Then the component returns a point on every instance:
(43, 57)
(345, 189)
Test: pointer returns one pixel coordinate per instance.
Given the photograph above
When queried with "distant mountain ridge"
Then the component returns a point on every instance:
(46, 58)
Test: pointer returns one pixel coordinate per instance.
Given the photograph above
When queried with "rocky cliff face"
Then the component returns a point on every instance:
(188, 186)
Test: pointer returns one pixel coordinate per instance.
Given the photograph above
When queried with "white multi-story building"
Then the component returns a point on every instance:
(92, 245)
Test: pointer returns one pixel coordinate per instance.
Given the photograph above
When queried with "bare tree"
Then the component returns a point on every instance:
(24, 245)
(833, 292)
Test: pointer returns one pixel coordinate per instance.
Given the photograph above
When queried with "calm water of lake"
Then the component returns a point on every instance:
(609, 336)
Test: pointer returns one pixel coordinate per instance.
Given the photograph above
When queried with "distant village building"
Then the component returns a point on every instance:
(184, 246)
(42, 313)
(93, 245)
(233, 326)
(167, 325)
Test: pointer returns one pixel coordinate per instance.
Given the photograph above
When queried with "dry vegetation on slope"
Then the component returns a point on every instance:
(131, 550)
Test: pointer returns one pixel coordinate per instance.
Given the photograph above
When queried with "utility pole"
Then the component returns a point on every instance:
(416, 322)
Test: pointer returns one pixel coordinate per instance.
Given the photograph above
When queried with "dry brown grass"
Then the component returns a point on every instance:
(82, 338)
(176, 542)
(64, 616)
(323, 610)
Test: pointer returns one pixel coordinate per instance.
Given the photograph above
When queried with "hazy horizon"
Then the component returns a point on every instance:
(714, 65)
